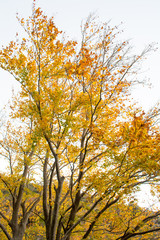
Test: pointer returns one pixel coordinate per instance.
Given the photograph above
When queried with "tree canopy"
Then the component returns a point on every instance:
(76, 146)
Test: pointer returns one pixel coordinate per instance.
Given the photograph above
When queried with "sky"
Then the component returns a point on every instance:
(140, 21)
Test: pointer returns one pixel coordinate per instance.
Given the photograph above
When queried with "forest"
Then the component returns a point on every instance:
(77, 148)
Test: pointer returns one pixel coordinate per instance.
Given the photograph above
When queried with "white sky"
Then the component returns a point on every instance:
(141, 24)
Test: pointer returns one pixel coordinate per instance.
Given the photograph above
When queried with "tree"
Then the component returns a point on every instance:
(94, 148)
(126, 221)
(19, 193)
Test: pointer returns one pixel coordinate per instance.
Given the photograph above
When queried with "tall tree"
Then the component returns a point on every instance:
(94, 148)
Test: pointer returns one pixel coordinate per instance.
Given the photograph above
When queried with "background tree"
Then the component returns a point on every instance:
(126, 221)
(19, 193)
(93, 146)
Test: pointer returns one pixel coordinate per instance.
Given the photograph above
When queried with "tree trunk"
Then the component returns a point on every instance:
(18, 234)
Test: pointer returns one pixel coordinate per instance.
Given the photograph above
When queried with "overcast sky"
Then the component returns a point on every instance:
(141, 24)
